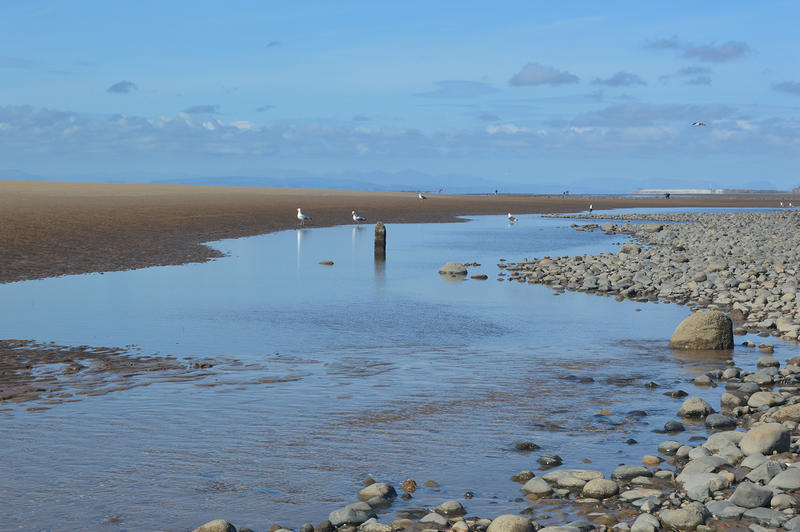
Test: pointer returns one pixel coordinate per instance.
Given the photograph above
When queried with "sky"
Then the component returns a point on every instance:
(466, 96)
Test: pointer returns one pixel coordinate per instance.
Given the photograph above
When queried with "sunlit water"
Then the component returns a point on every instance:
(328, 374)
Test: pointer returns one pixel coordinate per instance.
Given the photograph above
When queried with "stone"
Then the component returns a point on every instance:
(786, 480)
(764, 472)
(669, 447)
(627, 472)
(695, 407)
(704, 330)
(767, 362)
(724, 509)
(753, 461)
(673, 426)
(373, 525)
(410, 485)
(646, 523)
(719, 421)
(583, 474)
(324, 526)
(700, 487)
(217, 525)
(767, 516)
(704, 464)
(510, 523)
(378, 489)
(787, 413)
(639, 493)
(650, 460)
(765, 439)
(718, 440)
(600, 488)
(536, 486)
(792, 524)
(434, 519)
(352, 514)
(750, 495)
(454, 269)
(760, 399)
(686, 518)
(450, 509)
(781, 501)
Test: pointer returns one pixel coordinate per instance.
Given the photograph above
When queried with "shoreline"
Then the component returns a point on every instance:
(50, 229)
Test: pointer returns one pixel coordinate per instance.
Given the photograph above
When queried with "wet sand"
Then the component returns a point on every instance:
(49, 229)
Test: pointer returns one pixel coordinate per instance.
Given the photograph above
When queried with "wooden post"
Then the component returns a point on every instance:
(380, 241)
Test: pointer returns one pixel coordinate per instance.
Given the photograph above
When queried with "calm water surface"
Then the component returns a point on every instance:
(327, 374)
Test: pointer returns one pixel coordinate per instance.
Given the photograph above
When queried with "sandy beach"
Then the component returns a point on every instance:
(49, 229)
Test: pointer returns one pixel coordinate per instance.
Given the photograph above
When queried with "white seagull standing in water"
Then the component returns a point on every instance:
(420, 196)
(512, 219)
(302, 217)
(358, 219)
(590, 207)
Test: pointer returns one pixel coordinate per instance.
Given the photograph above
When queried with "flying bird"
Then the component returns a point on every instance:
(302, 217)
(512, 219)
(698, 123)
(420, 196)
(358, 219)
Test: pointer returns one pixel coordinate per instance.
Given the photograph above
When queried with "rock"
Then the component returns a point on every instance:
(767, 362)
(450, 509)
(453, 269)
(651, 461)
(583, 474)
(324, 526)
(639, 493)
(788, 413)
(378, 489)
(629, 249)
(719, 421)
(523, 476)
(702, 380)
(536, 486)
(700, 487)
(786, 480)
(719, 440)
(217, 525)
(410, 485)
(326, 262)
(765, 439)
(525, 446)
(669, 447)
(673, 426)
(552, 460)
(695, 407)
(781, 501)
(686, 518)
(352, 514)
(749, 495)
(479, 276)
(753, 461)
(760, 399)
(724, 509)
(704, 330)
(704, 464)
(600, 488)
(372, 525)
(627, 472)
(698, 452)
(646, 523)
(510, 523)
(434, 519)
(305, 527)
(766, 516)
(764, 472)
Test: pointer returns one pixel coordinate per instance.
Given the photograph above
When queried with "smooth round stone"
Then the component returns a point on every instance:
(750, 495)
(536, 486)
(766, 439)
(450, 509)
(697, 452)
(650, 460)
(673, 426)
(510, 523)
(695, 407)
(786, 480)
(719, 421)
(600, 488)
(377, 489)
(217, 525)
(626, 472)
(669, 447)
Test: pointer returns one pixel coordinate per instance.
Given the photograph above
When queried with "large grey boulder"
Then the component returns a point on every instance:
(704, 464)
(627, 472)
(720, 440)
(453, 269)
(760, 399)
(373, 525)
(695, 407)
(749, 495)
(217, 525)
(704, 330)
(687, 518)
(352, 514)
(765, 439)
(786, 480)
(700, 487)
(510, 523)
(724, 509)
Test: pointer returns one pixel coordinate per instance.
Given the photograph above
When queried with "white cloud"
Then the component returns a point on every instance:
(509, 129)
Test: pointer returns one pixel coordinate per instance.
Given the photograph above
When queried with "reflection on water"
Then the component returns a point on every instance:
(325, 374)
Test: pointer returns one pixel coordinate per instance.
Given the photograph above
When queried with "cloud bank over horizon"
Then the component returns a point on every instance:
(525, 97)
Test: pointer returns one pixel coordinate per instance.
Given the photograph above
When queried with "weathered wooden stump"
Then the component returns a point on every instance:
(380, 241)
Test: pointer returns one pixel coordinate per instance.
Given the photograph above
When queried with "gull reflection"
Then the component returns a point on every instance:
(301, 233)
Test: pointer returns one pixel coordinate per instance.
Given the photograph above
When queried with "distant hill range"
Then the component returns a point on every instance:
(714, 191)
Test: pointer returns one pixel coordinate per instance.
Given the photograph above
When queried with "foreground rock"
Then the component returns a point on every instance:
(217, 525)
(704, 330)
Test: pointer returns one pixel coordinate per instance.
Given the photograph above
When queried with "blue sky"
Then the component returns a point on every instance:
(534, 96)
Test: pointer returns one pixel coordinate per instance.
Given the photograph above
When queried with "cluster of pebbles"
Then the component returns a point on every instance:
(745, 478)
(745, 263)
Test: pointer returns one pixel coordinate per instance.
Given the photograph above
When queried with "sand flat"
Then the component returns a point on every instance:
(57, 228)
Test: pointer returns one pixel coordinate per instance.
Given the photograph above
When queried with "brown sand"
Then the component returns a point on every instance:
(49, 229)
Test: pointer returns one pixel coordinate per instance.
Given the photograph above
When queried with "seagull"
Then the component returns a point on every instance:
(698, 123)
(302, 217)
(512, 219)
(420, 196)
(781, 205)
(590, 207)
(358, 219)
